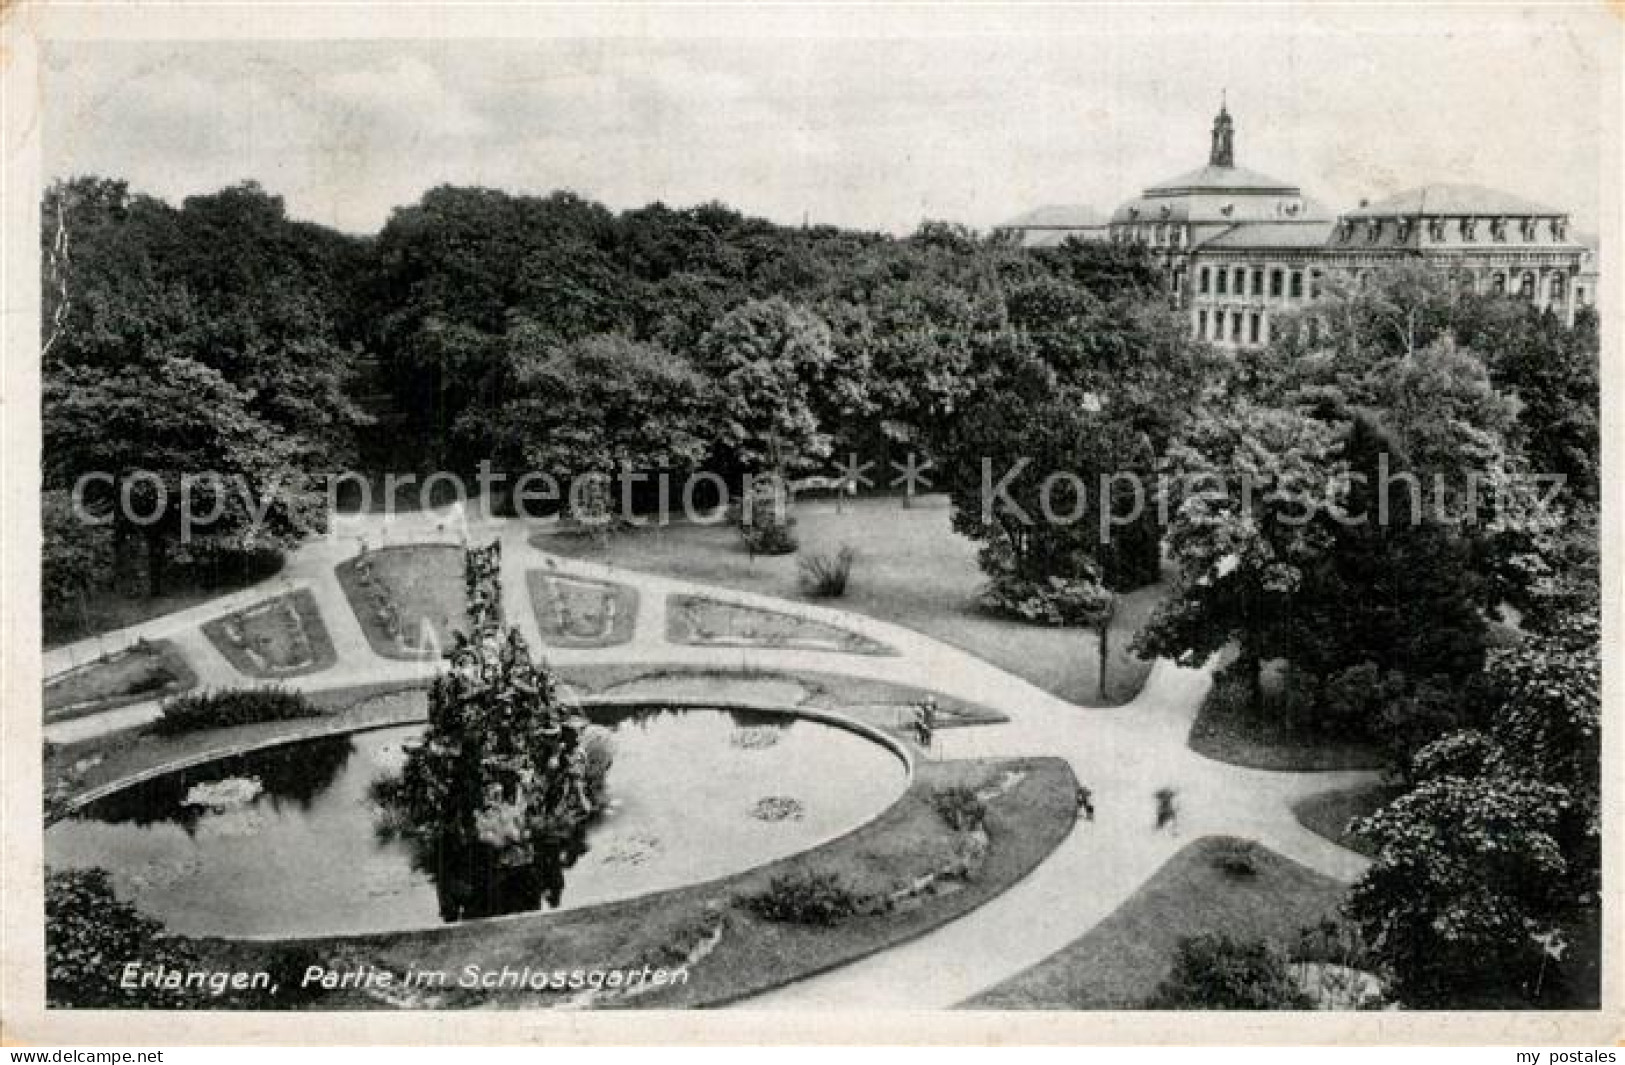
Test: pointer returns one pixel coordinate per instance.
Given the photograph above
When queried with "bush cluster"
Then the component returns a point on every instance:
(1215, 972)
(960, 806)
(819, 899)
(234, 706)
(825, 576)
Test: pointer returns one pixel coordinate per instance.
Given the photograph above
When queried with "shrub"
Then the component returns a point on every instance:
(960, 806)
(825, 576)
(819, 899)
(770, 537)
(1214, 972)
(235, 706)
(1235, 859)
(90, 933)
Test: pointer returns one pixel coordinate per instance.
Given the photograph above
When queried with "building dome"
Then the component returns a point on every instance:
(1220, 193)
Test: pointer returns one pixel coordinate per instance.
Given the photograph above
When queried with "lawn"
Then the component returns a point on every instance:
(912, 569)
(729, 951)
(149, 669)
(579, 612)
(1120, 962)
(1329, 813)
(279, 637)
(409, 600)
(1229, 729)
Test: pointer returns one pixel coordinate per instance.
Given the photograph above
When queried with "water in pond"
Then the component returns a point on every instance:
(286, 842)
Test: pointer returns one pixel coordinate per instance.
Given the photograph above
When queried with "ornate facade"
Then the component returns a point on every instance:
(1244, 251)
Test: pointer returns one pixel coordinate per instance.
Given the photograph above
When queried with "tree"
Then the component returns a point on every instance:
(76, 558)
(603, 407)
(1212, 971)
(1418, 625)
(169, 433)
(1248, 490)
(1028, 467)
(91, 934)
(1468, 870)
(770, 359)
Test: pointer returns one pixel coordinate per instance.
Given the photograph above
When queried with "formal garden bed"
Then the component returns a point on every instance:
(701, 621)
(581, 612)
(963, 833)
(279, 637)
(409, 599)
(148, 669)
(909, 568)
(1214, 885)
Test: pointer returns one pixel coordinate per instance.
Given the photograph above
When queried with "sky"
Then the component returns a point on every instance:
(1083, 107)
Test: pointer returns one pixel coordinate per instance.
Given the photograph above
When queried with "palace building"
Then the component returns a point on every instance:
(1244, 250)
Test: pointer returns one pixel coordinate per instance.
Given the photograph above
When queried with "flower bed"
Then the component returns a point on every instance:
(408, 599)
(581, 612)
(701, 621)
(279, 637)
(149, 669)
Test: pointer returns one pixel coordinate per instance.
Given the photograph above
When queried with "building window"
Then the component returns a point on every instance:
(1235, 326)
(1254, 325)
(1207, 278)
(1241, 281)
(1224, 281)
(1297, 284)
(1498, 284)
(1258, 280)
(1580, 295)
(1277, 282)
(1201, 325)
(1179, 281)
(1218, 325)
(1314, 284)
(1557, 287)
(1469, 229)
(1527, 288)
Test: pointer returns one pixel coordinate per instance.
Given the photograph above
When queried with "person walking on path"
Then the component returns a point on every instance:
(1086, 803)
(925, 721)
(1167, 810)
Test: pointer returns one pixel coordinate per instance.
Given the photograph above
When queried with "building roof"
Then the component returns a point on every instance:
(1056, 216)
(1309, 234)
(1452, 201)
(1214, 179)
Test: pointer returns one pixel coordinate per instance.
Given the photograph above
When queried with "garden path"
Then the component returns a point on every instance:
(1123, 754)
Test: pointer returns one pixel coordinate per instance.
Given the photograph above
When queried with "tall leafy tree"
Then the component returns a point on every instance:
(1247, 493)
(771, 361)
(146, 430)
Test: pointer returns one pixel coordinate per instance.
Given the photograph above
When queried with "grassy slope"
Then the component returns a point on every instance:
(912, 569)
(1120, 962)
